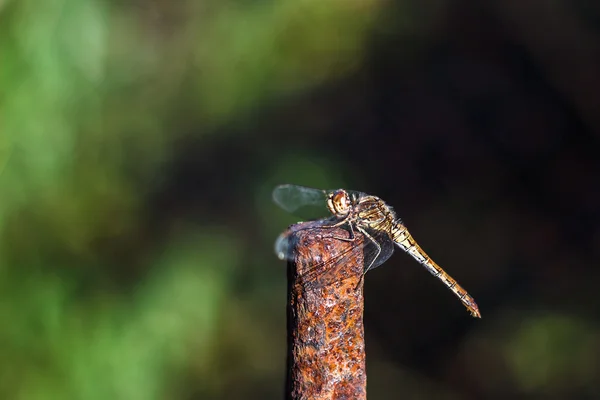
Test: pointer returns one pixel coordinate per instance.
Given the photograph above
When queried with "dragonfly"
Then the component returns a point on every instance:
(370, 216)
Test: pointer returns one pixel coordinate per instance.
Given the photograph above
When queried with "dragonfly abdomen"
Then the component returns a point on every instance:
(406, 242)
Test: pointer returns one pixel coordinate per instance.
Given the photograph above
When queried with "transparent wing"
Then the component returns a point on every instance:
(377, 254)
(286, 242)
(325, 271)
(305, 202)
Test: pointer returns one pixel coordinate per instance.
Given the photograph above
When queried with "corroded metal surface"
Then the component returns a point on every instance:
(326, 355)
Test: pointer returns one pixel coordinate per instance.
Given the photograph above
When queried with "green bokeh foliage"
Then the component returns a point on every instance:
(94, 97)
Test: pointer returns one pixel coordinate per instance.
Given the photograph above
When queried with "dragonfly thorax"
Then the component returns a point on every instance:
(339, 203)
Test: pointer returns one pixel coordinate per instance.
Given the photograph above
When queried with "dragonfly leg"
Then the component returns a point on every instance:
(377, 245)
(342, 222)
(351, 238)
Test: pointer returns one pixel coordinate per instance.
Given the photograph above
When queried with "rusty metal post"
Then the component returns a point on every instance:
(326, 348)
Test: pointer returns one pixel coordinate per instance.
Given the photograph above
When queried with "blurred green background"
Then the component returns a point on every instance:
(140, 141)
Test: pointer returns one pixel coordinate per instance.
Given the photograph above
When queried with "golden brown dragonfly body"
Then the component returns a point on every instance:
(374, 219)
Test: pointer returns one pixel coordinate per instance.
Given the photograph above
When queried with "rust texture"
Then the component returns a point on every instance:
(326, 349)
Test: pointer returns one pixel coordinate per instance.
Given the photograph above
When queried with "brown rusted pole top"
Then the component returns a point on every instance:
(326, 348)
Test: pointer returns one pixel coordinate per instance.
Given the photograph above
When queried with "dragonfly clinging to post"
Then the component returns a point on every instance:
(371, 217)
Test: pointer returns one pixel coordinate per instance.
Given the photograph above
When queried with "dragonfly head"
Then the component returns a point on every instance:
(338, 203)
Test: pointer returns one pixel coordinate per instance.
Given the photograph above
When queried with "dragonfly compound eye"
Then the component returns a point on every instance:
(339, 202)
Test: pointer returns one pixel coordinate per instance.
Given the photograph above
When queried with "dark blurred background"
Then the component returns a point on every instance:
(140, 142)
